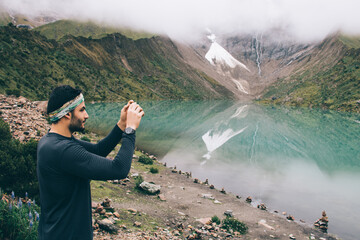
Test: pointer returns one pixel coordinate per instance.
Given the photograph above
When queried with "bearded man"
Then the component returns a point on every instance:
(65, 165)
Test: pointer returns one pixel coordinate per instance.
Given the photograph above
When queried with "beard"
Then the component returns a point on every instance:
(76, 125)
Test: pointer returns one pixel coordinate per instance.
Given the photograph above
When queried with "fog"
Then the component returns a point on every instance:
(305, 20)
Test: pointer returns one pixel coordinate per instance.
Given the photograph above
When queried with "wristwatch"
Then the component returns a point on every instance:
(129, 130)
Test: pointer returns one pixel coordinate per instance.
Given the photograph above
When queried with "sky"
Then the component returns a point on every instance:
(305, 20)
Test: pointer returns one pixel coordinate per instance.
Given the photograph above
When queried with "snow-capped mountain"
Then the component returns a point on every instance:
(226, 64)
(218, 55)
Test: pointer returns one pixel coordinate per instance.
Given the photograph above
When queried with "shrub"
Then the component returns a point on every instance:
(215, 219)
(19, 218)
(15, 92)
(18, 164)
(154, 170)
(85, 138)
(234, 224)
(145, 160)
(138, 180)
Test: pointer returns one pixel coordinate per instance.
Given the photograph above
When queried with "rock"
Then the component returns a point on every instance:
(106, 203)
(206, 181)
(217, 202)
(290, 217)
(99, 208)
(134, 175)
(212, 186)
(262, 206)
(116, 214)
(228, 213)
(181, 213)
(150, 187)
(207, 196)
(248, 199)
(107, 225)
(137, 224)
(108, 214)
(291, 236)
(132, 210)
(94, 205)
(223, 191)
(263, 223)
(196, 180)
(162, 197)
(174, 171)
(205, 221)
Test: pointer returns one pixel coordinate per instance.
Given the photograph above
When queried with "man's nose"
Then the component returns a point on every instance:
(86, 115)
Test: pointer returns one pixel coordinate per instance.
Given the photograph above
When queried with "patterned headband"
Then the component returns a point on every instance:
(66, 108)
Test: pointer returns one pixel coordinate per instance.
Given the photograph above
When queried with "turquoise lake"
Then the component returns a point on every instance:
(301, 161)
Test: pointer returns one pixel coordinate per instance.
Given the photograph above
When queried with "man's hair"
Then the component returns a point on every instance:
(61, 95)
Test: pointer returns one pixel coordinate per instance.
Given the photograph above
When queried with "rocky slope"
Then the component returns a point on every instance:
(25, 118)
(320, 74)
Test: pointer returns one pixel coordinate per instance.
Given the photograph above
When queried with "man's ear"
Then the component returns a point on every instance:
(68, 115)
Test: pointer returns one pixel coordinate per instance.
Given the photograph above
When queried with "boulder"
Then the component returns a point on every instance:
(228, 213)
(150, 187)
(107, 225)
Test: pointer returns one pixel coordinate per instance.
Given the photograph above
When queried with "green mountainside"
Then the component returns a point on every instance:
(59, 29)
(112, 68)
(327, 82)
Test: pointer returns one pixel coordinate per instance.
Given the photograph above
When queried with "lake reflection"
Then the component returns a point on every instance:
(296, 160)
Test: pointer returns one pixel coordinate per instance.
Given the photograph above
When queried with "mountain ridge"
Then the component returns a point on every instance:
(278, 72)
(34, 64)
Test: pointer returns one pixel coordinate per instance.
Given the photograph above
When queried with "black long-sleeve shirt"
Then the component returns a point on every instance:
(65, 167)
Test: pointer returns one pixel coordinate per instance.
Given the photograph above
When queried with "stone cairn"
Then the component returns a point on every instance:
(322, 223)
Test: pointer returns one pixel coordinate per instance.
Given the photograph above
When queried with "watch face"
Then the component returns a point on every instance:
(129, 130)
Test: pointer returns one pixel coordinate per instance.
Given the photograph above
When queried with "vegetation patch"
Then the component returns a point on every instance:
(215, 219)
(230, 223)
(146, 160)
(18, 164)
(19, 218)
(154, 170)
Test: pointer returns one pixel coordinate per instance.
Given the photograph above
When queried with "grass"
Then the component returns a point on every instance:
(148, 223)
(350, 41)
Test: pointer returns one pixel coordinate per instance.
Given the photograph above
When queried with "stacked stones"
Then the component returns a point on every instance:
(26, 119)
(322, 223)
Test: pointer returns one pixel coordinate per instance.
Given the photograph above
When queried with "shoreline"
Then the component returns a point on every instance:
(184, 200)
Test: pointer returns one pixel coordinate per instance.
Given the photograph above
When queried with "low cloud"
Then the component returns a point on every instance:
(306, 20)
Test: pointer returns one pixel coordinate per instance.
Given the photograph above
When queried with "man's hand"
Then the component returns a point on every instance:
(123, 116)
(134, 115)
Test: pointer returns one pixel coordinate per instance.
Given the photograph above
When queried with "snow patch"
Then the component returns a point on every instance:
(218, 55)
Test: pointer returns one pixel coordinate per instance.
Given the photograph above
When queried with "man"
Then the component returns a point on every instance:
(66, 165)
